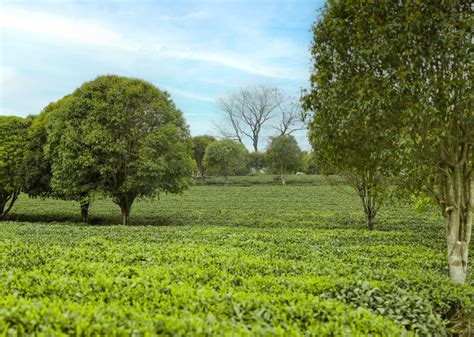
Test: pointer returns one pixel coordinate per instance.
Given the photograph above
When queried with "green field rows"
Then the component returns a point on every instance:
(243, 260)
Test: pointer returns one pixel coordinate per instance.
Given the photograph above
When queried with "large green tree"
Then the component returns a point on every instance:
(284, 156)
(226, 157)
(351, 102)
(12, 139)
(200, 143)
(123, 137)
(436, 76)
(414, 60)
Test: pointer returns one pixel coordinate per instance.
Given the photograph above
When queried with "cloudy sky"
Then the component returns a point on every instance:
(196, 50)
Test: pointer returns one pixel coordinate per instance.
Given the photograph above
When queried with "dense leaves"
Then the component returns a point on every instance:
(200, 144)
(123, 137)
(226, 157)
(352, 102)
(12, 148)
(392, 94)
(284, 156)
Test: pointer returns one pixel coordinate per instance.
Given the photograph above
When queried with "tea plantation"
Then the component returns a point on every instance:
(250, 259)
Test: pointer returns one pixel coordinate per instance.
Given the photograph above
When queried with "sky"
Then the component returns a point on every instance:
(198, 51)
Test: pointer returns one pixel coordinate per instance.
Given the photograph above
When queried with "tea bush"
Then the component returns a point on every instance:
(244, 260)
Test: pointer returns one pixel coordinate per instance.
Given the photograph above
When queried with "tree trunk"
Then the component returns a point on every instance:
(369, 219)
(225, 181)
(85, 211)
(125, 217)
(125, 202)
(255, 143)
(282, 176)
(4, 206)
(459, 201)
(365, 189)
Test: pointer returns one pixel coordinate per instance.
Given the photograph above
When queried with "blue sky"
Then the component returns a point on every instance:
(196, 50)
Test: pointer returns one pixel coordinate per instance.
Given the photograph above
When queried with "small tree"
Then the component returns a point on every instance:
(200, 143)
(121, 136)
(310, 164)
(284, 156)
(257, 161)
(12, 139)
(226, 157)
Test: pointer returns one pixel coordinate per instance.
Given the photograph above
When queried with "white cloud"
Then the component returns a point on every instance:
(172, 45)
(12, 83)
(187, 94)
(69, 29)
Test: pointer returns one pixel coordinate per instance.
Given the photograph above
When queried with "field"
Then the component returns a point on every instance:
(254, 258)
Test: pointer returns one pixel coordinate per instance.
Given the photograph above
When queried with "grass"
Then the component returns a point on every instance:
(250, 259)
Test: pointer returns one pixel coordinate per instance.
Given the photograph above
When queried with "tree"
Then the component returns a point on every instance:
(290, 117)
(36, 167)
(247, 112)
(51, 168)
(418, 64)
(310, 164)
(284, 156)
(12, 139)
(436, 76)
(123, 137)
(257, 161)
(226, 157)
(351, 102)
(200, 143)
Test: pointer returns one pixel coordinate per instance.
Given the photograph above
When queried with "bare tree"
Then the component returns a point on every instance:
(247, 111)
(290, 117)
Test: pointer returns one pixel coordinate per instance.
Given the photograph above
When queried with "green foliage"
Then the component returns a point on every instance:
(36, 167)
(284, 155)
(12, 139)
(226, 157)
(253, 260)
(436, 79)
(352, 102)
(200, 143)
(268, 179)
(123, 137)
(257, 161)
(310, 164)
(391, 93)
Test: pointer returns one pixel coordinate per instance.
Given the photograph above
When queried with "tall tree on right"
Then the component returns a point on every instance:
(421, 56)
(351, 103)
(436, 77)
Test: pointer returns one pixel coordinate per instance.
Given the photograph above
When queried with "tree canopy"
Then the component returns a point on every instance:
(226, 157)
(284, 156)
(200, 143)
(391, 93)
(354, 110)
(123, 137)
(12, 140)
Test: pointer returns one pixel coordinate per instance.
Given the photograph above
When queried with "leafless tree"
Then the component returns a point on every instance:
(290, 117)
(249, 110)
